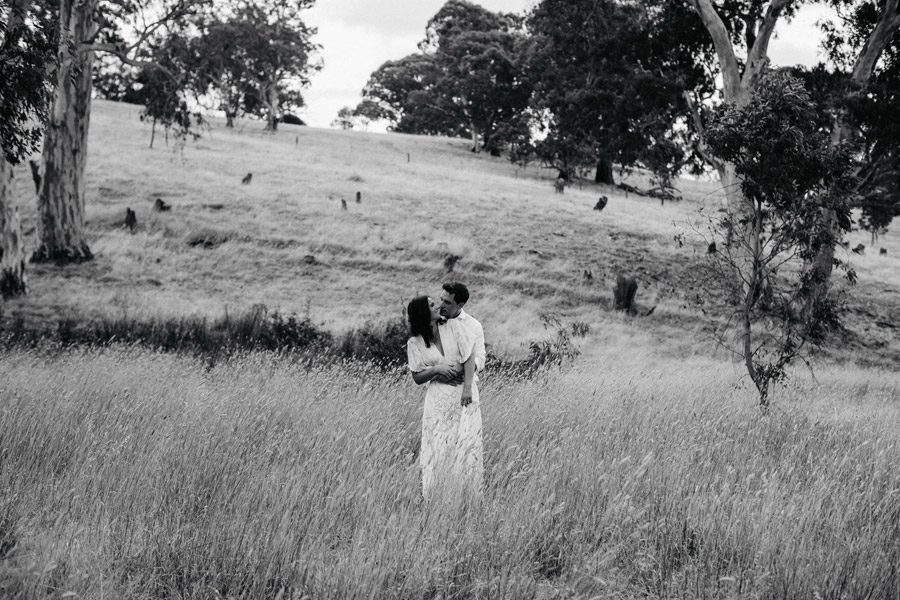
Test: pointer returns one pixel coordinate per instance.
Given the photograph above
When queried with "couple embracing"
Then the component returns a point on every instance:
(445, 351)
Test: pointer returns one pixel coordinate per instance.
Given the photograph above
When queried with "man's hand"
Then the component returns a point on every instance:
(447, 374)
(466, 396)
(457, 377)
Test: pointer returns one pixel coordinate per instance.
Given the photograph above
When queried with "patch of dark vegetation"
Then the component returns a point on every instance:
(257, 329)
(9, 535)
(207, 238)
(380, 345)
(383, 345)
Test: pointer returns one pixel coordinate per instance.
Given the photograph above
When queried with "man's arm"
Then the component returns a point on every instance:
(480, 352)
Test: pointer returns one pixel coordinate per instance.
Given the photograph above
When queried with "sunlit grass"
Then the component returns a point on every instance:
(128, 474)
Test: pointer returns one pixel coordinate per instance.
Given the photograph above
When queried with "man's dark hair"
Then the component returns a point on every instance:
(458, 290)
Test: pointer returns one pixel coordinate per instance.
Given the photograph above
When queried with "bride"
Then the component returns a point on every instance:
(438, 353)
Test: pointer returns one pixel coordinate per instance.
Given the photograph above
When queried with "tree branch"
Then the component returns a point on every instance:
(127, 52)
(757, 56)
(887, 24)
(702, 148)
(118, 51)
(724, 49)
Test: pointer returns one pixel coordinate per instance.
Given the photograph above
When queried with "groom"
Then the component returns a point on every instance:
(453, 298)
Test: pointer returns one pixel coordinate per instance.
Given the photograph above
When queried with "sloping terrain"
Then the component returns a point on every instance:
(284, 240)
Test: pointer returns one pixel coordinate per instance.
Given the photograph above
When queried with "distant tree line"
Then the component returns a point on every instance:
(597, 84)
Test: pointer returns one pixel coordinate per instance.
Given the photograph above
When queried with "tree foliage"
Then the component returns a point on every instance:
(466, 81)
(870, 110)
(28, 45)
(239, 57)
(164, 92)
(349, 118)
(256, 60)
(608, 81)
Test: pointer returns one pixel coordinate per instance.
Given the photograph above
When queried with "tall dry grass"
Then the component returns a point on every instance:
(129, 474)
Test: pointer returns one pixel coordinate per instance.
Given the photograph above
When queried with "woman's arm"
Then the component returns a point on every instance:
(429, 373)
(468, 377)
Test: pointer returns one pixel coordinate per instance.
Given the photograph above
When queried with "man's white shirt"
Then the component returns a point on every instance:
(478, 331)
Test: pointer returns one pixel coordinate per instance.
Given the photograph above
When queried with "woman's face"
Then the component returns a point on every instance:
(435, 308)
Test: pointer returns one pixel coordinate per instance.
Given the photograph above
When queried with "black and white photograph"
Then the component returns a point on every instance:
(449, 299)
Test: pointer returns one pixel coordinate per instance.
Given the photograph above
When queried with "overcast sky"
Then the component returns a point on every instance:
(357, 36)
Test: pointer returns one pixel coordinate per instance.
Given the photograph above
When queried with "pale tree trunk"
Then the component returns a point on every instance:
(61, 198)
(822, 265)
(475, 147)
(12, 246)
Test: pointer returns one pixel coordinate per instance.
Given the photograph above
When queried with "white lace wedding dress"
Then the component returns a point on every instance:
(451, 455)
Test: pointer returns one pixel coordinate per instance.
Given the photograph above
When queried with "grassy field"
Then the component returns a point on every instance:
(643, 469)
(128, 474)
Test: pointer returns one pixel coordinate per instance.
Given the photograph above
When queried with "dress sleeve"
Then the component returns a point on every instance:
(414, 355)
(465, 339)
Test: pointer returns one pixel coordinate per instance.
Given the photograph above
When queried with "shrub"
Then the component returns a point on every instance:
(383, 345)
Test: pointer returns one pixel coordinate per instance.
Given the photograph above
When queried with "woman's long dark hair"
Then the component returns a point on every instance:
(419, 314)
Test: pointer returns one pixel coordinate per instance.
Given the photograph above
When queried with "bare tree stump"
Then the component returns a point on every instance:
(343, 204)
(359, 197)
(624, 293)
(130, 219)
(450, 262)
(601, 203)
(160, 205)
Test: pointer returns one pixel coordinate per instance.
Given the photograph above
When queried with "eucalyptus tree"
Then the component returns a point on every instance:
(119, 28)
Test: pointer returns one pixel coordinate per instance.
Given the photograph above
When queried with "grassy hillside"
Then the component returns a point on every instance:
(290, 246)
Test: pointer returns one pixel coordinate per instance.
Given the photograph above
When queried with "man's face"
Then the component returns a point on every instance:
(449, 308)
